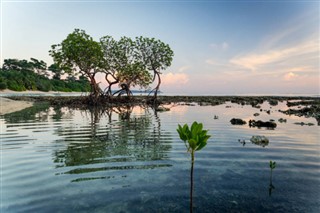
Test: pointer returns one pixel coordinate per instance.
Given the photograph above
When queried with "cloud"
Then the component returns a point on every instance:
(225, 45)
(290, 76)
(254, 61)
(175, 78)
(211, 62)
(221, 63)
(183, 68)
(301, 69)
(222, 46)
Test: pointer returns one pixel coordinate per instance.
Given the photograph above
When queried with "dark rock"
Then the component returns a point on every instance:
(303, 123)
(259, 123)
(237, 121)
(256, 114)
(273, 102)
(282, 120)
(243, 142)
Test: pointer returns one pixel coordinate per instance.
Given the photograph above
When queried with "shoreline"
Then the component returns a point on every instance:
(8, 105)
(8, 93)
(308, 106)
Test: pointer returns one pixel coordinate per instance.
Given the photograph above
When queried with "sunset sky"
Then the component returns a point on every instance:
(220, 47)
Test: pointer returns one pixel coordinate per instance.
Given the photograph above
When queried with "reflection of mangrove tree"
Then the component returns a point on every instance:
(130, 138)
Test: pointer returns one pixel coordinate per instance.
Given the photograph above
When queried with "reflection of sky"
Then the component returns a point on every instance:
(113, 170)
(222, 126)
(220, 47)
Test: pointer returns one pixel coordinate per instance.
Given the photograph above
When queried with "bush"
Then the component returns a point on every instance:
(3, 85)
(21, 80)
(13, 85)
(44, 85)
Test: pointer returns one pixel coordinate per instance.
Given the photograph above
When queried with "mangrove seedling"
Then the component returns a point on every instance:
(272, 166)
(195, 138)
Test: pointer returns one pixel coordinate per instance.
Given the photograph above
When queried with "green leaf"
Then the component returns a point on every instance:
(272, 165)
(192, 143)
(197, 137)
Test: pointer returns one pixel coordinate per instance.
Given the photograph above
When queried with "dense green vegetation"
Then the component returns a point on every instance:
(21, 75)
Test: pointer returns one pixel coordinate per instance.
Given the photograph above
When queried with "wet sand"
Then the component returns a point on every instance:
(8, 106)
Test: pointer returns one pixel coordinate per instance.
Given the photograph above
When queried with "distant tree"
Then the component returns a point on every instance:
(39, 67)
(155, 56)
(15, 64)
(18, 79)
(79, 53)
(57, 72)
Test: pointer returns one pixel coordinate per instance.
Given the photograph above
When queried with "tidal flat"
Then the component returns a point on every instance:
(128, 157)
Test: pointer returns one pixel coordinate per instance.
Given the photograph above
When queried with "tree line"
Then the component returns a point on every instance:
(21, 75)
(125, 62)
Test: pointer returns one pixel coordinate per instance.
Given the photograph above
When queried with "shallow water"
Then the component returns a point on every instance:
(132, 160)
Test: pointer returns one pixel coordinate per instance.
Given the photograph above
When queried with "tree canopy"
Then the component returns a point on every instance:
(79, 53)
(126, 62)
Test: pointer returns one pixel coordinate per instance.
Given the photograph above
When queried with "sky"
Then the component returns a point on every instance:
(220, 47)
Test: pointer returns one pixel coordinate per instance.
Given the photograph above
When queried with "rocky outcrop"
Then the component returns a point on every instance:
(312, 111)
(237, 121)
(259, 123)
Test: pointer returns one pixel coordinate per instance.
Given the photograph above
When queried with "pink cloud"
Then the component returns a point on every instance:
(174, 78)
(290, 76)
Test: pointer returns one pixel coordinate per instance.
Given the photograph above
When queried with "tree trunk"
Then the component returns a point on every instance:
(158, 85)
(95, 90)
(109, 91)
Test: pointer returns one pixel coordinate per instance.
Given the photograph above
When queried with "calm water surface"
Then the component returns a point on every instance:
(132, 160)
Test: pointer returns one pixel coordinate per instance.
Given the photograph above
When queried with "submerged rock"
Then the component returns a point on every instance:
(282, 120)
(237, 121)
(259, 123)
(303, 123)
(162, 109)
(260, 140)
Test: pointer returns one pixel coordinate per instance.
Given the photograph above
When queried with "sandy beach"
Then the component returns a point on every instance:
(8, 106)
